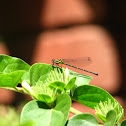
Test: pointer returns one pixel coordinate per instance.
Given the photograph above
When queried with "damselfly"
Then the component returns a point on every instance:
(64, 61)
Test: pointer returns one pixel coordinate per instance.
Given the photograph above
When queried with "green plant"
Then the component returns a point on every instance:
(8, 115)
(52, 89)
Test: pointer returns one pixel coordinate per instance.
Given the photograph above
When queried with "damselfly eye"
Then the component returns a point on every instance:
(53, 60)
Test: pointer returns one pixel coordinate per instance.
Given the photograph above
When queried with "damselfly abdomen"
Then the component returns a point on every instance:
(65, 62)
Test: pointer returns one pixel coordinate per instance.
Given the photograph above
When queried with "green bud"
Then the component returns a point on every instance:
(104, 107)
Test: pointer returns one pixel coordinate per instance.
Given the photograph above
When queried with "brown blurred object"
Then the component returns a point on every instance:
(66, 12)
(3, 48)
(6, 96)
(100, 10)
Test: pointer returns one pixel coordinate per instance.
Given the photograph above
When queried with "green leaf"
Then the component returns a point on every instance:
(44, 98)
(81, 79)
(28, 123)
(101, 117)
(39, 72)
(72, 90)
(63, 104)
(10, 64)
(13, 69)
(84, 119)
(8, 116)
(123, 123)
(70, 84)
(90, 95)
(110, 118)
(119, 124)
(40, 115)
(11, 79)
(57, 85)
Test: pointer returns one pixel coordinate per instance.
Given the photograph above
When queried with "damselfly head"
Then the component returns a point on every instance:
(59, 61)
(53, 60)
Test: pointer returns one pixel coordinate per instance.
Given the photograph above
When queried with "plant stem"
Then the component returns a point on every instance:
(16, 89)
(74, 111)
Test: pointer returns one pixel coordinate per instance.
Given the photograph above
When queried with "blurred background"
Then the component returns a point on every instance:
(38, 31)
